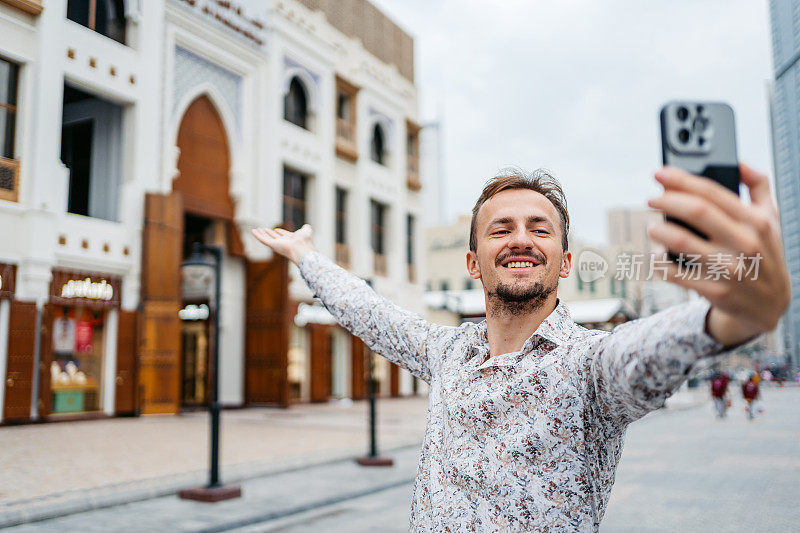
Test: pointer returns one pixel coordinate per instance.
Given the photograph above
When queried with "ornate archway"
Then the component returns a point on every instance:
(204, 162)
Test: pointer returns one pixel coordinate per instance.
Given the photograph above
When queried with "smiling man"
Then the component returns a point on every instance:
(527, 410)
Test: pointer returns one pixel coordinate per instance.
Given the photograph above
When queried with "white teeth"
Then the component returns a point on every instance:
(519, 264)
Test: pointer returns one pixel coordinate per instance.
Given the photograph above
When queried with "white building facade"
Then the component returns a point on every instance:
(142, 127)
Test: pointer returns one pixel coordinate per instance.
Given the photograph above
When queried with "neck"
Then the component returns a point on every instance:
(507, 328)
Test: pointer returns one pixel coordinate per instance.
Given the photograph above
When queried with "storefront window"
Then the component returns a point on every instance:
(77, 366)
(195, 341)
(380, 373)
(299, 356)
(340, 374)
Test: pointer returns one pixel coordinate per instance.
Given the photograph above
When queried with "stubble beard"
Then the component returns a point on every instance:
(509, 300)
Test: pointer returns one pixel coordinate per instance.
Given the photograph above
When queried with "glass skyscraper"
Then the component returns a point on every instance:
(785, 109)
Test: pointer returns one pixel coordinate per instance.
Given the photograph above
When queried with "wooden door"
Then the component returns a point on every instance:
(19, 365)
(45, 399)
(125, 380)
(358, 375)
(394, 379)
(321, 359)
(160, 341)
(267, 332)
(204, 162)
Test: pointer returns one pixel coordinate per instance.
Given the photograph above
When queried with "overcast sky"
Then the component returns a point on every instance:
(575, 87)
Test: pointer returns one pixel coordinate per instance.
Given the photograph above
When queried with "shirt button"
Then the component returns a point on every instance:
(467, 390)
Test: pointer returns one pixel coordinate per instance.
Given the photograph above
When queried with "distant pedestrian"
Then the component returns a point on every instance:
(719, 391)
(750, 394)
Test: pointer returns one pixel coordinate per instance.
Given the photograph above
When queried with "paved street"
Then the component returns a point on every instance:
(54, 468)
(682, 470)
(687, 471)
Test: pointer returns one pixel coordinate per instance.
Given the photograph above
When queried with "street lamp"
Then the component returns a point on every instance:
(198, 270)
(372, 459)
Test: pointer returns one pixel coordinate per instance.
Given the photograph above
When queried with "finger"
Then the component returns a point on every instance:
(676, 179)
(705, 217)
(263, 235)
(260, 235)
(677, 240)
(281, 231)
(709, 289)
(758, 185)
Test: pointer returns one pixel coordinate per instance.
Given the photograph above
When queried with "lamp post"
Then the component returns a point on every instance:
(197, 266)
(372, 459)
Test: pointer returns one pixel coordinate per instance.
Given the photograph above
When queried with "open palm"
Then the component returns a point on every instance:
(292, 245)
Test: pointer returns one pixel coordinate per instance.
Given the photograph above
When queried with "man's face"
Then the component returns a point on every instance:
(519, 254)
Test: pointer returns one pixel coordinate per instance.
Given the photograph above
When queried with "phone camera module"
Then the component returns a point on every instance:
(682, 113)
(683, 135)
(700, 141)
(700, 124)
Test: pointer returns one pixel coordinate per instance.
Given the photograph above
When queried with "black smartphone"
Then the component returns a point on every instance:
(700, 138)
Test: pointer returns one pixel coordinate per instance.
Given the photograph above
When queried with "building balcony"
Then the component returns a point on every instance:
(412, 156)
(346, 140)
(32, 7)
(9, 179)
(412, 173)
(342, 255)
(379, 264)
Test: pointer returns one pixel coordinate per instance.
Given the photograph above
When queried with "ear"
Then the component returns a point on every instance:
(566, 264)
(472, 265)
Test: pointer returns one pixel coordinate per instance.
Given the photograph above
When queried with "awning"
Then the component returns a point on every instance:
(599, 311)
(312, 314)
(469, 303)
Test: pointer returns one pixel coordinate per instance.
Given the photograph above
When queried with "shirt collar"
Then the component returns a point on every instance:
(554, 331)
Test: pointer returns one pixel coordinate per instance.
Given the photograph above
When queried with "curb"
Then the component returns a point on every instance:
(45, 508)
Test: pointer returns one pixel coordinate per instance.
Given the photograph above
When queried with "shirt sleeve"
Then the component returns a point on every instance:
(398, 335)
(636, 367)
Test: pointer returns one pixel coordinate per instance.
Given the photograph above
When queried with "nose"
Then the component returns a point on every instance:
(520, 240)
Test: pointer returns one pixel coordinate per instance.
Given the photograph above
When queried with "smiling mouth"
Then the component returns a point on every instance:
(520, 264)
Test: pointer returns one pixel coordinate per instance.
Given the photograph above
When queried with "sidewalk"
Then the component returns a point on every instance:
(54, 469)
(264, 501)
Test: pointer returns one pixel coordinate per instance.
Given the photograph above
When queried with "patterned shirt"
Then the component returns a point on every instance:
(523, 441)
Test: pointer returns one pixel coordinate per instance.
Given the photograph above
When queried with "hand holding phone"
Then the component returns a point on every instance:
(699, 147)
(700, 138)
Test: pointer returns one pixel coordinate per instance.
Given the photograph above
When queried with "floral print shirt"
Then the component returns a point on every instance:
(524, 441)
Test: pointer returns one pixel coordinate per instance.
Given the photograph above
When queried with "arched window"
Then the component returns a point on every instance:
(295, 104)
(106, 17)
(378, 146)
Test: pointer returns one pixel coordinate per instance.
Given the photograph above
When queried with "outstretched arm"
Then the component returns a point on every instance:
(292, 245)
(639, 364)
(399, 335)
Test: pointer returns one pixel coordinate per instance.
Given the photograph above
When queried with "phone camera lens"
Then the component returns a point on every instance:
(683, 135)
(700, 124)
(682, 113)
(700, 141)
(699, 109)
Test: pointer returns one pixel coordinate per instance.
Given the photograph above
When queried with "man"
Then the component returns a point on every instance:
(719, 388)
(527, 411)
(750, 394)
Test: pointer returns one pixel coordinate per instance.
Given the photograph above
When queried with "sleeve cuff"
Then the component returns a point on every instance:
(714, 347)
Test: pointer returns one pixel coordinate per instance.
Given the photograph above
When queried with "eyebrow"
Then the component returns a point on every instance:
(529, 220)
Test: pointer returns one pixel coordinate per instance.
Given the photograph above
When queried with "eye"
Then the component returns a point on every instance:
(500, 232)
(541, 231)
